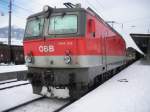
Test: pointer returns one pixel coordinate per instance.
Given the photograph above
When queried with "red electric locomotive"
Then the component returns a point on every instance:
(69, 49)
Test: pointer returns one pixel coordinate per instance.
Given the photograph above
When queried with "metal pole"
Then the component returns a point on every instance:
(112, 23)
(9, 29)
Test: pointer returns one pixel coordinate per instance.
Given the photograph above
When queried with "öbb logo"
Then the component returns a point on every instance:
(45, 48)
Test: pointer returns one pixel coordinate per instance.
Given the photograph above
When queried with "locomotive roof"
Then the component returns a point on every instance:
(57, 10)
(88, 10)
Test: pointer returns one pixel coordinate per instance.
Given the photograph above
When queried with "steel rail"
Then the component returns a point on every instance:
(23, 104)
(64, 106)
(8, 82)
(14, 86)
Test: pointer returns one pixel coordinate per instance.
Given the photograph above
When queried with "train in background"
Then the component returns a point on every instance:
(132, 55)
(11, 54)
(71, 49)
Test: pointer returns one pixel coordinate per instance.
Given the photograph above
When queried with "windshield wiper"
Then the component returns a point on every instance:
(63, 14)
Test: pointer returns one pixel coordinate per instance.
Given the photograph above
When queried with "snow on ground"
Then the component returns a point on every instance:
(13, 84)
(13, 41)
(44, 105)
(12, 68)
(128, 91)
(19, 95)
(5, 81)
(55, 92)
(15, 96)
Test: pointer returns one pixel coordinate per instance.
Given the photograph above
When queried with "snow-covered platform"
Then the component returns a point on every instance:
(8, 72)
(128, 91)
(12, 68)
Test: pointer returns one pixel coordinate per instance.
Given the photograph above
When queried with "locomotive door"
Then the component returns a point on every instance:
(104, 52)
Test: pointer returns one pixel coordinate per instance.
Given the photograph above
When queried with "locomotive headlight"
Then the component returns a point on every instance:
(28, 59)
(45, 8)
(67, 59)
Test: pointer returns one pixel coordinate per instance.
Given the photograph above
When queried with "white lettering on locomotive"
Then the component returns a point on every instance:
(49, 48)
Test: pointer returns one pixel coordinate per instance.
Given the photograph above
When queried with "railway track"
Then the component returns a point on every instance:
(21, 98)
(12, 84)
(23, 104)
(10, 93)
(17, 107)
(8, 81)
(53, 107)
(16, 96)
(63, 107)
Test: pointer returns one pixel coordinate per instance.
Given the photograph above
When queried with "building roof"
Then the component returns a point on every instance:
(142, 41)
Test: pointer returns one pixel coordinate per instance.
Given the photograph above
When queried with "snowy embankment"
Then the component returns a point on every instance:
(12, 68)
(128, 91)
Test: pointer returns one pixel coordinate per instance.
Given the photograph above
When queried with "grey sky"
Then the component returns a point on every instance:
(133, 14)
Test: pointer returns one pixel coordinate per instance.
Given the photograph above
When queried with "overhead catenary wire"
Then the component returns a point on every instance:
(136, 19)
(35, 1)
(94, 6)
(18, 6)
(124, 23)
(91, 5)
(99, 3)
(18, 16)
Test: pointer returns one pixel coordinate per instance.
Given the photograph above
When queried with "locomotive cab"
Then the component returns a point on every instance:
(54, 33)
(51, 43)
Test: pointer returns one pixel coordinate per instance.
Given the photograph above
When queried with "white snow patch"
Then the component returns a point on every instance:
(13, 84)
(128, 91)
(15, 96)
(43, 105)
(13, 41)
(61, 93)
(45, 91)
(12, 68)
(54, 92)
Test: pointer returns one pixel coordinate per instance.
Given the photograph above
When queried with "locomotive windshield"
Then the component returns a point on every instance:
(68, 22)
(63, 24)
(34, 27)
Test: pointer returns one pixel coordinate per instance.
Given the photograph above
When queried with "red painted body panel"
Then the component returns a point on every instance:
(76, 46)
(111, 44)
